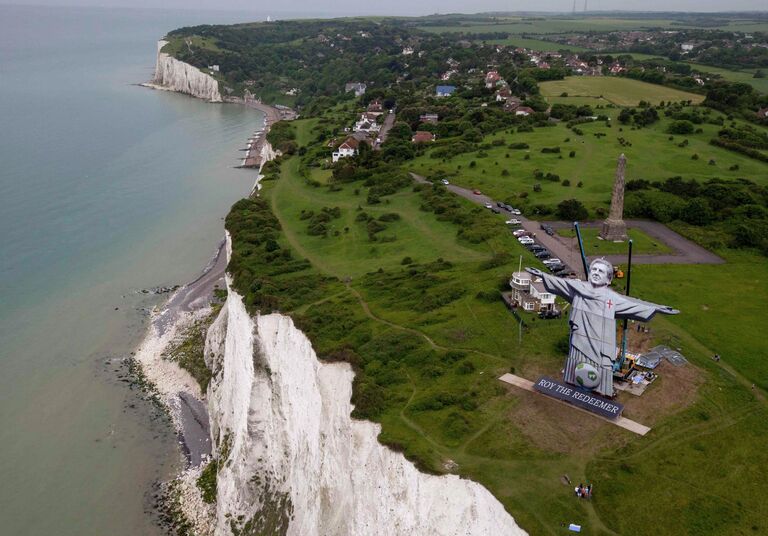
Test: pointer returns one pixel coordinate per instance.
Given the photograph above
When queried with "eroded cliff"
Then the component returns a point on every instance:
(291, 459)
(176, 75)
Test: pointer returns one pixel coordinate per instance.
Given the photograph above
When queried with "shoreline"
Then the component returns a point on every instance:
(177, 389)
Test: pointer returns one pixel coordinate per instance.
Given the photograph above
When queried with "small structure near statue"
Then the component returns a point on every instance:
(614, 228)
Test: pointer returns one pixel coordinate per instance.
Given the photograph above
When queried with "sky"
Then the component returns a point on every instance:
(409, 7)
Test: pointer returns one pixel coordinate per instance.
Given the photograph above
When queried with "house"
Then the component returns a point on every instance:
(511, 105)
(407, 51)
(444, 91)
(524, 111)
(346, 149)
(491, 78)
(762, 113)
(367, 123)
(503, 94)
(421, 136)
(428, 118)
(358, 87)
(375, 107)
(529, 293)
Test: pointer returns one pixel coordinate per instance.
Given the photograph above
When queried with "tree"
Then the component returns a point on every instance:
(680, 127)
(572, 210)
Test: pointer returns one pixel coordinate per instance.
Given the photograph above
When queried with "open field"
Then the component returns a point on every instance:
(700, 467)
(641, 242)
(651, 155)
(553, 25)
(537, 44)
(619, 91)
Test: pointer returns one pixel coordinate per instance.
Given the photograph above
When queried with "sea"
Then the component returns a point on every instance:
(107, 190)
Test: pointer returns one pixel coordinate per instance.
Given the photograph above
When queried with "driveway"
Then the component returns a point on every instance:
(567, 249)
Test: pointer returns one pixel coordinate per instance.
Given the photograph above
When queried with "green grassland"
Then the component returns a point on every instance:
(553, 25)
(641, 242)
(619, 91)
(746, 76)
(431, 338)
(536, 44)
(651, 156)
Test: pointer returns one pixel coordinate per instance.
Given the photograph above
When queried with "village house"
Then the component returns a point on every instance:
(367, 123)
(346, 149)
(428, 118)
(491, 79)
(503, 94)
(530, 294)
(444, 91)
(375, 107)
(421, 136)
(525, 111)
(358, 87)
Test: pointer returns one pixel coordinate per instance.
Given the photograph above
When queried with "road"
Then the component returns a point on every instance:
(567, 249)
(386, 126)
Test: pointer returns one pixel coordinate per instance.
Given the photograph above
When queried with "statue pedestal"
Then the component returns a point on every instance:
(578, 397)
(614, 230)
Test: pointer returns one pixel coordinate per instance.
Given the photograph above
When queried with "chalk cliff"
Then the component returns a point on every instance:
(293, 462)
(176, 75)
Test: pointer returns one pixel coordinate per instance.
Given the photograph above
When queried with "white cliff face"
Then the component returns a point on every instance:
(176, 75)
(291, 459)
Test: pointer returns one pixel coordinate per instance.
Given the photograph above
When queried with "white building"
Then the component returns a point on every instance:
(346, 149)
(530, 294)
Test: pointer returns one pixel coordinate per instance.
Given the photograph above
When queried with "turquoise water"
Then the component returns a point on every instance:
(106, 188)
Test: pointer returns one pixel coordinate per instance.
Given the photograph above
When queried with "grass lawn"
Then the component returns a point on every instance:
(700, 467)
(593, 245)
(620, 91)
(594, 163)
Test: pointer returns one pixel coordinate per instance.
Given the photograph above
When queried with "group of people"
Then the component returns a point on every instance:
(583, 492)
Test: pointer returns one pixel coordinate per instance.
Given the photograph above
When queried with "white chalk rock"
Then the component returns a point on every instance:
(176, 75)
(294, 462)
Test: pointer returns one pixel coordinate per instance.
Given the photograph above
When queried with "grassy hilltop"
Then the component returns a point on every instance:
(402, 280)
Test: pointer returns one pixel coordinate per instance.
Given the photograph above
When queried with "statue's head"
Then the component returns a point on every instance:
(600, 272)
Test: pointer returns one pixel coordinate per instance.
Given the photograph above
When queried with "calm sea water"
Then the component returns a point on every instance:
(105, 189)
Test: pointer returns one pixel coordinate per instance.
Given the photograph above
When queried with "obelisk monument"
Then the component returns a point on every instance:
(614, 228)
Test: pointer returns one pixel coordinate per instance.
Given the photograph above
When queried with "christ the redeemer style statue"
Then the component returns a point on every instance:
(595, 308)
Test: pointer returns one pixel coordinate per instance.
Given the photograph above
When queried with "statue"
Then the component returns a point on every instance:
(592, 322)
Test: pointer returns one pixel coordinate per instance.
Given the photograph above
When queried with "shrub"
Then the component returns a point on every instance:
(572, 210)
(572, 154)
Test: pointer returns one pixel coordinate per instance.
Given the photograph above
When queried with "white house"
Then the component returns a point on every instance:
(367, 123)
(530, 294)
(346, 149)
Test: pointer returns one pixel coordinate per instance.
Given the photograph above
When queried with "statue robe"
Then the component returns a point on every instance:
(593, 324)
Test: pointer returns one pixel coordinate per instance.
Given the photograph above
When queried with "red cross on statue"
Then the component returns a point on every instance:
(609, 303)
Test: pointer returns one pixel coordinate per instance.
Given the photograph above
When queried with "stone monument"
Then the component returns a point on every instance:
(593, 355)
(614, 228)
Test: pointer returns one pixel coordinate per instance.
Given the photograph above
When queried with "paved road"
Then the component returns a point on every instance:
(386, 126)
(567, 249)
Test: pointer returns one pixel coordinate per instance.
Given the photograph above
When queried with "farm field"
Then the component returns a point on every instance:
(537, 44)
(553, 25)
(517, 445)
(651, 155)
(619, 91)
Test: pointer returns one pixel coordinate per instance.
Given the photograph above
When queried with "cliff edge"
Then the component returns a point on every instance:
(176, 75)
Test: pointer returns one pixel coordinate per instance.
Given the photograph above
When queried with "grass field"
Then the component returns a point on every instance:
(652, 156)
(701, 466)
(760, 84)
(619, 91)
(641, 242)
(537, 44)
(553, 25)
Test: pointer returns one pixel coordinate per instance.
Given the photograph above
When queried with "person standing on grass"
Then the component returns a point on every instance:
(593, 319)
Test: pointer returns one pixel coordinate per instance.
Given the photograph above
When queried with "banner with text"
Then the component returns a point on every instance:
(579, 397)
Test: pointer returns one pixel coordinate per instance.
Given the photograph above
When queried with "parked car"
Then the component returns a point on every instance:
(543, 254)
(515, 211)
(553, 260)
(547, 315)
(445, 181)
(556, 267)
(550, 231)
(537, 247)
(495, 210)
(522, 232)
(500, 204)
(488, 205)
(525, 240)
(513, 221)
(477, 192)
